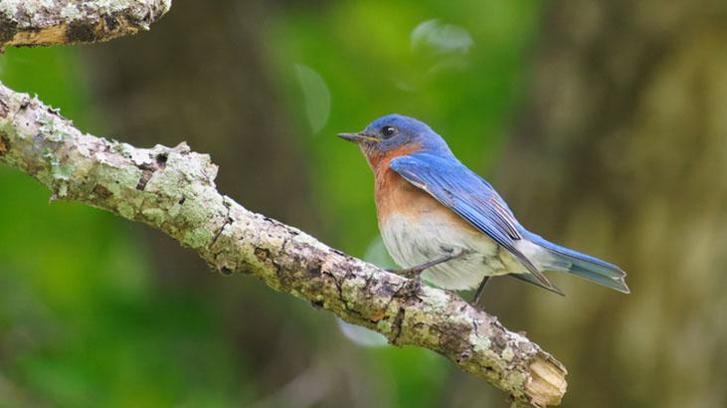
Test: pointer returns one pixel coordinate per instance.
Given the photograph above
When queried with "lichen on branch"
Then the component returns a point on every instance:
(173, 190)
(42, 22)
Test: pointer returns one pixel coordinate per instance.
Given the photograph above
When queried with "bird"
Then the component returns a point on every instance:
(443, 223)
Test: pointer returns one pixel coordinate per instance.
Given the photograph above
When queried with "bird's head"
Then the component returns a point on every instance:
(396, 135)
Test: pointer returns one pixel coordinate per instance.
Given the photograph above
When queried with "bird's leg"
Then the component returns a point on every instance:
(415, 271)
(480, 291)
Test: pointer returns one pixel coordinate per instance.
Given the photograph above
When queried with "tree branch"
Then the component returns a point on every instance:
(173, 190)
(41, 22)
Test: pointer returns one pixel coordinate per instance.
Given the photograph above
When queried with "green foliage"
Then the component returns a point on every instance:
(373, 63)
(83, 321)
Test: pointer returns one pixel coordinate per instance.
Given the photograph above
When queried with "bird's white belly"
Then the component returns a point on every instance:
(412, 241)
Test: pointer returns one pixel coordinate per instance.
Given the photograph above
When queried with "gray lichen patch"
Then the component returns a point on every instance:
(42, 22)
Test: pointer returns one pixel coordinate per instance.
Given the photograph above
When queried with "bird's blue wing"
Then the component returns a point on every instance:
(469, 196)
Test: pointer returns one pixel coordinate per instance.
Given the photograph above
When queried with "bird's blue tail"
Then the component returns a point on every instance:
(581, 265)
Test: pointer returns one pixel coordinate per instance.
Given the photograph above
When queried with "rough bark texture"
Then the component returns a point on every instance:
(43, 22)
(173, 190)
(221, 99)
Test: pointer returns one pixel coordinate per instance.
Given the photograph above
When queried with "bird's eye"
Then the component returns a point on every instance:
(388, 131)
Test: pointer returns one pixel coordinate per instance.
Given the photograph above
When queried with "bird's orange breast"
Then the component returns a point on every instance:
(392, 192)
(396, 196)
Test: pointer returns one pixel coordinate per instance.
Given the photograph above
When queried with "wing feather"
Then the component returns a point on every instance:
(469, 196)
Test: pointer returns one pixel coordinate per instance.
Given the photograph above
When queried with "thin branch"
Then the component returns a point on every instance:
(42, 22)
(173, 190)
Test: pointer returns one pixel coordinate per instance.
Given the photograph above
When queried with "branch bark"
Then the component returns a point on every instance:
(39, 22)
(173, 190)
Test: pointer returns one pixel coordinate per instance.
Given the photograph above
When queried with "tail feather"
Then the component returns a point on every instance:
(526, 277)
(581, 265)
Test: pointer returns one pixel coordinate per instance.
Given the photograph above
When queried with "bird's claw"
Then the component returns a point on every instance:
(413, 286)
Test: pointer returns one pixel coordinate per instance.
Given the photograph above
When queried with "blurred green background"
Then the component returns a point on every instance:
(601, 122)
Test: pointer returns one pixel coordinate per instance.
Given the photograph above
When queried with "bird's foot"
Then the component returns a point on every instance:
(415, 271)
(411, 273)
(480, 291)
(413, 285)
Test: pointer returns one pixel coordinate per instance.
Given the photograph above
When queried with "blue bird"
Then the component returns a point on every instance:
(441, 221)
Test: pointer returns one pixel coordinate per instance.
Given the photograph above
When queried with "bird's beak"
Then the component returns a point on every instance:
(358, 137)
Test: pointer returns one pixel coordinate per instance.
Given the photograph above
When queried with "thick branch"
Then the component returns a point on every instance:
(173, 190)
(42, 22)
